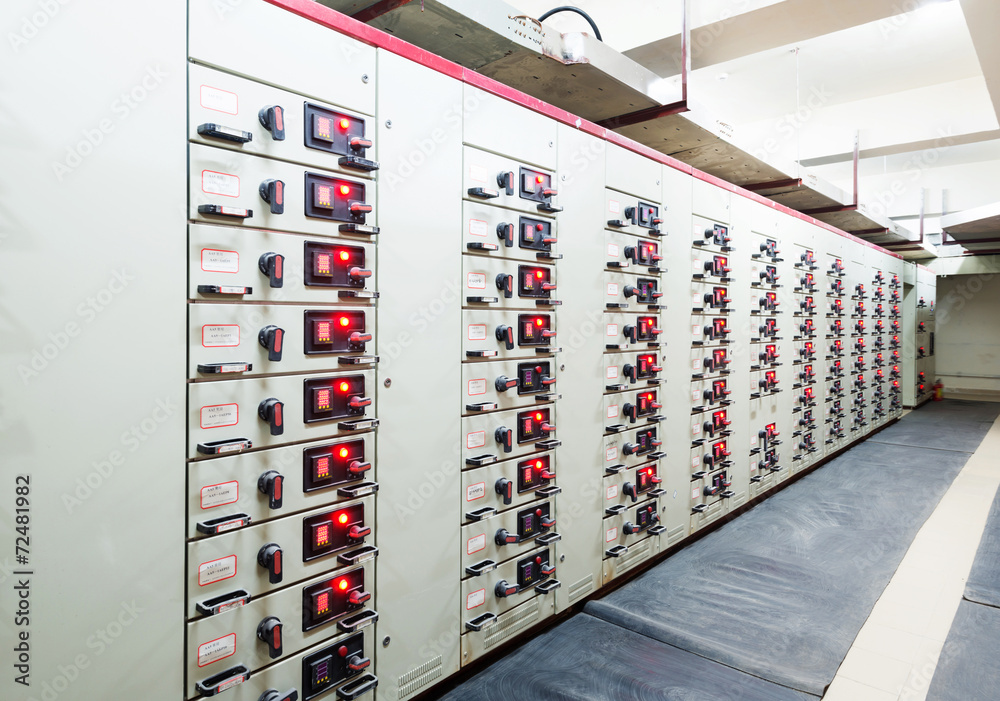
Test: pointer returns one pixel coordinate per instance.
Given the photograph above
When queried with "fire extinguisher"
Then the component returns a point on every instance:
(938, 390)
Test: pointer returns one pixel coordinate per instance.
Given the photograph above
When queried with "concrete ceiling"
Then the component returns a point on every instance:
(918, 80)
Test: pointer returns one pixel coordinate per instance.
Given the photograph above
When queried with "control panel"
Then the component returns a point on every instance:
(442, 369)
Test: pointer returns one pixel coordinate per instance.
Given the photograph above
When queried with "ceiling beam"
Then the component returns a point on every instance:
(983, 19)
(943, 141)
(770, 27)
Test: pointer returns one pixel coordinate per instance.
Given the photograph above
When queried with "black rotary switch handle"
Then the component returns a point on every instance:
(631, 411)
(630, 448)
(505, 283)
(273, 338)
(503, 589)
(275, 695)
(630, 332)
(272, 118)
(269, 632)
(504, 537)
(271, 558)
(273, 265)
(505, 488)
(272, 484)
(629, 490)
(504, 383)
(505, 180)
(505, 334)
(505, 231)
(631, 372)
(272, 411)
(630, 528)
(272, 191)
(505, 437)
(356, 663)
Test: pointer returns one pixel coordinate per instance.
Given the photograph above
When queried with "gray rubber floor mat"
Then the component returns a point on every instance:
(587, 659)
(983, 585)
(956, 410)
(967, 669)
(782, 591)
(964, 436)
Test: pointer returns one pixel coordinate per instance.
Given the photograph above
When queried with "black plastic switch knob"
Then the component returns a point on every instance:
(270, 557)
(272, 118)
(273, 412)
(503, 589)
(630, 528)
(356, 663)
(272, 484)
(273, 192)
(505, 231)
(505, 488)
(630, 448)
(275, 695)
(505, 283)
(505, 334)
(629, 490)
(273, 265)
(505, 437)
(630, 332)
(273, 338)
(631, 372)
(505, 180)
(504, 383)
(504, 537)
(631, 411)
(269, 632)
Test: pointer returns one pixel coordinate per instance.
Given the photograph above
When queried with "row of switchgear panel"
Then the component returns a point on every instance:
(282, 296)
(510, 373)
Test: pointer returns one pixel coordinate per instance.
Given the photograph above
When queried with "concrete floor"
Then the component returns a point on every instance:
(897, 650)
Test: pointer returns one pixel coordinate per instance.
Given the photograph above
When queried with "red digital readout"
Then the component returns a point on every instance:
(321, 535)
(321, 467)
(323, 264)
(322, 399)
(323, 332)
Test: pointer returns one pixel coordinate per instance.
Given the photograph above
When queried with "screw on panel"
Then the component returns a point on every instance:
(388, 124)
(551, 144)
(364, 77)
(388, 382)
(562, 558)
(562, 368)
(385, 641)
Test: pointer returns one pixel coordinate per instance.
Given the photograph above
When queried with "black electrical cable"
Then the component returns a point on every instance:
(577, 10)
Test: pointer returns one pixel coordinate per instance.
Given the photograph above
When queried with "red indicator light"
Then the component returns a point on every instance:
(344, 255)
(345, 189)
(538, 416)
(344, 386)
(345, 124)
(342, 584)
(342, 519)
(343, 452)
(539, 322)
(649, 397)
(539, 274)
(539, 179)
(538, 464)
(344, 321)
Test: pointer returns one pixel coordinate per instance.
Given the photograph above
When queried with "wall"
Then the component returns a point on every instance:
(968, 333)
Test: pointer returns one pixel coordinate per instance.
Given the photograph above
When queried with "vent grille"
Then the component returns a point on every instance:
(581, 588)
(419, 676)
(512, 623)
